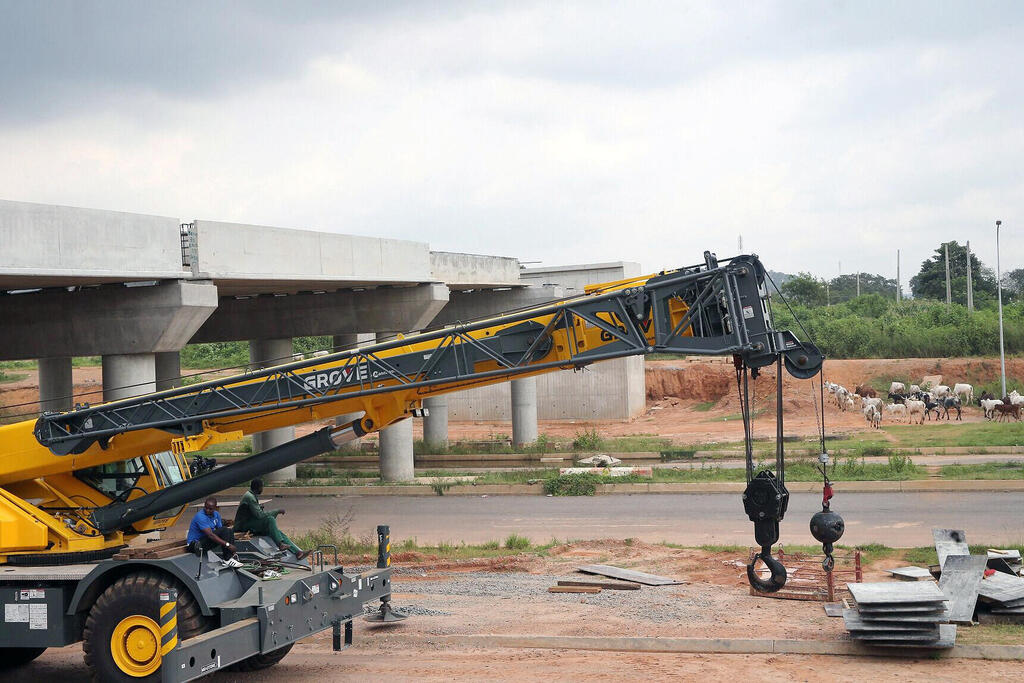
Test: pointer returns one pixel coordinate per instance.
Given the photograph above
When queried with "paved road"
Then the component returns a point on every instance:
(896, 519)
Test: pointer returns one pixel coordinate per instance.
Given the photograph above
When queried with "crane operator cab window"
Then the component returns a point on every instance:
(114, 480)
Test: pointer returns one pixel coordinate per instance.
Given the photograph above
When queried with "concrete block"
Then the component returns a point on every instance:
(247, 259)
(471, 271)
(44, 245)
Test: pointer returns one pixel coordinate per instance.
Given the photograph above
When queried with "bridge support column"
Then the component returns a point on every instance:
(524, 411)
(264, 353)
(168, 370)
(396, 458)
(343, 342)
(128, 375)
(435, 424)
(55, 384)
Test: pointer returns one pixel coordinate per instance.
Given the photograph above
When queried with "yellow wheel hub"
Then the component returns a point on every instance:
(135, 646)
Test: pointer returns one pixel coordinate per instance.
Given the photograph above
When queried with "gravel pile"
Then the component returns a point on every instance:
(660, 604)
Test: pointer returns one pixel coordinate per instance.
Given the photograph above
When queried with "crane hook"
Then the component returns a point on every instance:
(778, 577)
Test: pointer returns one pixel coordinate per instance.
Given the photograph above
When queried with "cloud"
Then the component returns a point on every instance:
(565, 132)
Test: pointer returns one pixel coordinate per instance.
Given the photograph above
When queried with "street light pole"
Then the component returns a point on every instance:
(999, 291)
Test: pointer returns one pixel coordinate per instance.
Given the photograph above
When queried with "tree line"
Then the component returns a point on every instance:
(874, 325)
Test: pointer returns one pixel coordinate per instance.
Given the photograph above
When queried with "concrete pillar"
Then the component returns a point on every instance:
(168, 370)
(435, 424)
(128, 375)
(263, 353)
(343, 342)
(396, 458)
(524, 411)
(55, 385)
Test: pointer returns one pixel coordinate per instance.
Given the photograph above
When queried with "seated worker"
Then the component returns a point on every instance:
(208, 530)
(252, 517)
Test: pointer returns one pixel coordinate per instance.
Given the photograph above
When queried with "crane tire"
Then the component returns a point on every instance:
(11, 657)
(262, 661)
(119, 641)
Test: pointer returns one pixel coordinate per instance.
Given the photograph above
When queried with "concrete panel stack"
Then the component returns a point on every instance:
(907, 615)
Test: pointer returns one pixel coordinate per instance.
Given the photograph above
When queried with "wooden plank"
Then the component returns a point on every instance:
(573, 589)
(896, 593)
(609, 585)
(961, 576)
(950, 542)
(166, 552)
(628, 575)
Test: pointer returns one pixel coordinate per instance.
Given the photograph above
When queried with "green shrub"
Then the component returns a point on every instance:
(900, 463)
(584, 484)
(589, 440)
(517, 542)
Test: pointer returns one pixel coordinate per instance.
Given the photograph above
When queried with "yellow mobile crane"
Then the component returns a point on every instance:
(76, 486)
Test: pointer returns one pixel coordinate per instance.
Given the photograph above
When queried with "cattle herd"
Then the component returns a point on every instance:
(915, 404)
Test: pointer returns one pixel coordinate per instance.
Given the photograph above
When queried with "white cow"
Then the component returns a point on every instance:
(965, 392)
(940, 391)
(989, 406)
(897, 409)
(876, 402)
(914, 389)
(873, 415)
(915, 408)
(897, 388)
(849, 405)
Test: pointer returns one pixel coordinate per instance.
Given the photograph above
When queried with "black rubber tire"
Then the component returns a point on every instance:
(262, 661)
(136, 593)
(11, 657)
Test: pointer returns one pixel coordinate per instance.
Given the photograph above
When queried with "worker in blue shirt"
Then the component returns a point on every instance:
(208, 530)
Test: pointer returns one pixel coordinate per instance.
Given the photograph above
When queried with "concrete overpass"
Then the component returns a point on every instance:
(135, 289)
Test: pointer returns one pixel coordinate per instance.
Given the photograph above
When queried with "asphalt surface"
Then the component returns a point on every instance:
(895, 519)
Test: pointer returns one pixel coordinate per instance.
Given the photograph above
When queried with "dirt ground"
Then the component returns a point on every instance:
(452, 599)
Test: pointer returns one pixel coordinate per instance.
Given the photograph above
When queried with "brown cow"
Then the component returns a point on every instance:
(1004, 410)
(864, 391)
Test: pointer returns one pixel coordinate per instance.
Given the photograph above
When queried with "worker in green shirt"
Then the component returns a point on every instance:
(252, 517)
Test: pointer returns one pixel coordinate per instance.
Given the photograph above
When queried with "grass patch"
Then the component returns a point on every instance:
(969, 434)
(987, 470)
(705, 406)
(6, 376)
(991, 634)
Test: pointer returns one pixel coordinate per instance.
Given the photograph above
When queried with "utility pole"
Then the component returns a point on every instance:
(970, 284)
(739, 244)
(999, 290)
(898, 298)
(858, 283)
(949, 292)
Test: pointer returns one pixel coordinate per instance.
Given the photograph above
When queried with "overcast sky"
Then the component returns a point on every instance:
(563, 132)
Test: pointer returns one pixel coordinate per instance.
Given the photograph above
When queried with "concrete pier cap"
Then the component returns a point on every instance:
(104, 321)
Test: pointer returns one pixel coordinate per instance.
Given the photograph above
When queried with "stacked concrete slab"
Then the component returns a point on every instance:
(900, 615)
